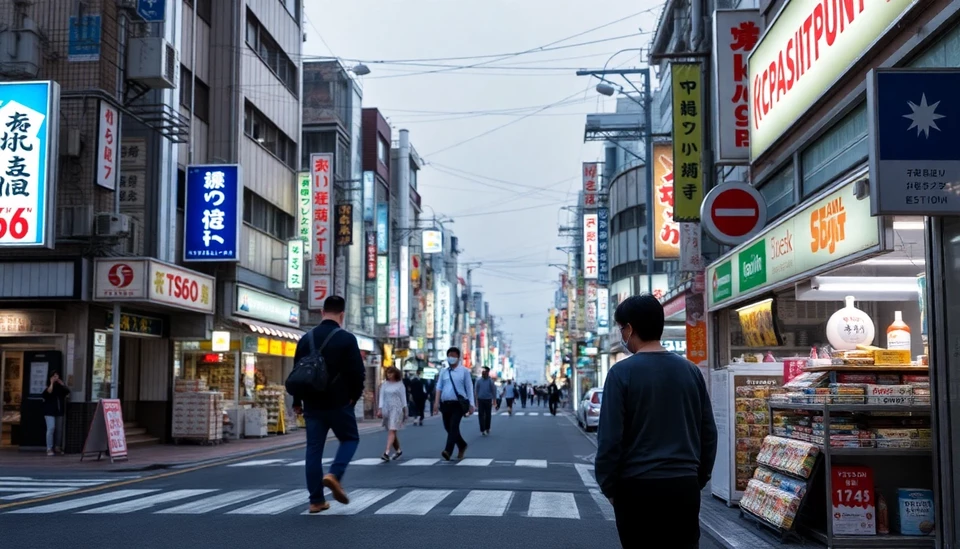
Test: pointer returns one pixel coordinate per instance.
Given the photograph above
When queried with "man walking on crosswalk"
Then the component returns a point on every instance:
(455, 400)
(486, 393)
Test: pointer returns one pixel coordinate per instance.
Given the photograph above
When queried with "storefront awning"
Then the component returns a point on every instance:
(263, 328)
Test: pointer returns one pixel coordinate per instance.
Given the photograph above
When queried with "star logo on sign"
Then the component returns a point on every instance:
(923, 116)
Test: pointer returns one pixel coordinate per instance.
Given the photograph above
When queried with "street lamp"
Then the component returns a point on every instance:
(605, 89)
(360, 69)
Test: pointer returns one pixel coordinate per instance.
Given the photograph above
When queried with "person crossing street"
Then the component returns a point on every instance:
(486, 395)
(553, 395)
(455, 400)
(418, 395)
(510, 394)
(523, 395)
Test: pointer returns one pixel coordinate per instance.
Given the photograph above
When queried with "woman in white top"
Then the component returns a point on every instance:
(393, 410)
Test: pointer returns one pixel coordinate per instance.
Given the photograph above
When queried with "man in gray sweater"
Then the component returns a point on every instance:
(486, 395)
(657, 436)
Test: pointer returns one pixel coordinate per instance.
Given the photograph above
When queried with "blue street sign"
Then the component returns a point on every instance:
(383, 236)
(914, 131)
(212, 216)
(84, 39)
(152, 11)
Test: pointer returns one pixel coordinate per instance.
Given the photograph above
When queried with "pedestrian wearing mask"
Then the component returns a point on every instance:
(486, 392)
(54, 404)
(455, 400)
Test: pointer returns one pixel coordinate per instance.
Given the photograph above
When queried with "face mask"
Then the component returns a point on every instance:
(623, 343)
(485, 375)
(452, 360)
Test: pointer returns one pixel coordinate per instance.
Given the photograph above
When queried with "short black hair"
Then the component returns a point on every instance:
(644, 314)
(334, 305)
(453, 350)
(486, 368)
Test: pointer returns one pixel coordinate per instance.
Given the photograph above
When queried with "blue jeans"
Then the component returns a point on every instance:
(343, 422)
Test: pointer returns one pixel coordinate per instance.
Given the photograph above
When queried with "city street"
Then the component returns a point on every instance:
(530, 484)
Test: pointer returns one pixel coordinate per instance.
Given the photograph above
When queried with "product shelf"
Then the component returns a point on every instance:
(880, 408)
(893, 452)
(868, 368)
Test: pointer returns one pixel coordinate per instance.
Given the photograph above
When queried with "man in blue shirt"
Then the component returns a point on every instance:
(486, 392)
(454, 384)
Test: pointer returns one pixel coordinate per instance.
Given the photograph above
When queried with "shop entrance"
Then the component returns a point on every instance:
(24, 371)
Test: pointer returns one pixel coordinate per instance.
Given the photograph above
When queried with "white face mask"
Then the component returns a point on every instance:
(623, 343)
(452, 360)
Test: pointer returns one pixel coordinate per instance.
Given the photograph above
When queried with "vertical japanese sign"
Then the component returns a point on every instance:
(344, 224)
(295, 264)
(429, 316)
(696, 330)
(603, 311)
(383, 234)
(591, 185)
(393, 329)
(369, 196)
(591, 306)
(321, 190)
(212, 213)
(591, 242)
(319, 291)
(28, 161)
(108, 137)
(735, 34)
(687, 140)
(603, 246)
(666, 231)
(304, 210)
(133, 173)
(371, 241)
(383, 293)
(691, 257)
(403, 284)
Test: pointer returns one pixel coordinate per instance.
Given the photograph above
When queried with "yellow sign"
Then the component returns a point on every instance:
(896, 357)
(687, 140)
(552, 323)
(289, 348)
(666, 237)
(263, 345)
(221, 342)
(387, 355)
(276, 347)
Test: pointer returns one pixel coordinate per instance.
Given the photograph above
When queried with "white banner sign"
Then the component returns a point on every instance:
(591, 252)
(108, 140)
(383, 294)
(305, 211)
(139, 279)
(319, 291)
(295, 264)
(735, 34)
(603, 311)
(255, 304)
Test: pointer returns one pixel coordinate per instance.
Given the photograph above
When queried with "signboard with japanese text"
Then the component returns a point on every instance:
(369, 196)
(83, 38)
(393, 328)
(137, 325)
(603, 246)
(432, 241)
(371, 238)
(340, 274)
(108, 137)
(804, 51)
(107, 434)
(295, 264)
(319, 287)
(383, 293)
(263, 306)
(691, 256)
(321, 190)
(151, 10)
(735, 34)
(344, 224)
(687, 140)
(152, 281)
(591, 252)
(27, 322)
(603, 310)
(696, 329)
(212, 213)
(305, 211)
(383, 228)
(29, 120)
(133, 172)
(591, 185)
(403, 285)
(914, 161)
(591, 305)
(666, 231)
(429, 315)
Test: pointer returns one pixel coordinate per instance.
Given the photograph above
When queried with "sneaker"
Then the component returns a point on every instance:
(333, 484)
(50, 453)
(318, 507)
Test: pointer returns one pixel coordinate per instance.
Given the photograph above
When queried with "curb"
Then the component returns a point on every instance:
(714, 535)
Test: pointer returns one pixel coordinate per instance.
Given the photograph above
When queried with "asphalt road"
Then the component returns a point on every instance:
(529, 485)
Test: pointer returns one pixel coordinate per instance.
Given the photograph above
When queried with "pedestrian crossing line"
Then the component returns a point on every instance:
(275, 505)
(256, 462)
(415, 502)
(484, 503)
(534, 414)
(20, 488)
(474, 462)
(586, 475)
(213, 503)
(536, 463)
(360, 500)
(520, 414)
(560, 505)
(303, 462)
(419, 462)
(88, 501)
(367, 461)
(140, 504)
(603, 503)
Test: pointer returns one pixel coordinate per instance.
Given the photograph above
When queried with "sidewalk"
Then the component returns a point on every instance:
(724, 525)
(165, 456)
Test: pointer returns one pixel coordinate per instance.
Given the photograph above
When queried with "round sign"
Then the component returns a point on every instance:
(733, 212)
(120, 275)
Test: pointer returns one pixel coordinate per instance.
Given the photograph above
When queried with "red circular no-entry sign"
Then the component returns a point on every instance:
(733, 212)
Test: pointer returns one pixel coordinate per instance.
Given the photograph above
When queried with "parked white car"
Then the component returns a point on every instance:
(588, 413)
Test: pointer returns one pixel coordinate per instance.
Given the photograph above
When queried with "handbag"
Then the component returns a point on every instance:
(464, 403)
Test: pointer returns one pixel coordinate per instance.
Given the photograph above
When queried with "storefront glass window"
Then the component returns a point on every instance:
(778, 192)
(218, 369)
(102, 365)
(838, 150)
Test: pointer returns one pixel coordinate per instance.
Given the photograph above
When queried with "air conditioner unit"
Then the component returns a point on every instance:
(74, 221)
(112, 224)
(21, 51)
(152, 61)
(130, 6)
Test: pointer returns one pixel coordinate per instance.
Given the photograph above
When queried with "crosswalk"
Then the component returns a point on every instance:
(588, 505)
(408, 462)
(21, 488)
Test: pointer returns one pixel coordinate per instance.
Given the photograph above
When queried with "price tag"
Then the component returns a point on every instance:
(854, 510)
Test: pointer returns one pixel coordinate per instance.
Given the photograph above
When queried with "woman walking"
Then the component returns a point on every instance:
(393, 410)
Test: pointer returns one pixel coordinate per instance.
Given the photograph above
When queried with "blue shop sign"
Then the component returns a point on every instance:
(152, 11)
(83, 38)
(383, 237)
(212, 215)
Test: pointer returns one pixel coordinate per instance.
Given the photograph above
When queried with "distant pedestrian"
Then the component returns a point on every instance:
(418, 396)
(553, 396)
(672, 456)
(332, 408)
(455, 399)
(509, 394)
(530, 394)
(393, 410)
(522, 389)
(486, 396)
(54, 404)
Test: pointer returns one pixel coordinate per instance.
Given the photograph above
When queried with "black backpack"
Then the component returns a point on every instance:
(309, 375)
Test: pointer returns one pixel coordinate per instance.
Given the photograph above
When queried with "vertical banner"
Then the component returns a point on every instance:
(371, 238)
(591, 185)
(393, 329)
(212, 213)
(320, 286)
(603, 311)
(369, 196)
(735, 34)
(133, 173)
(603, 246)
(108, 137)
(383, 293)
(581, 303)
(591, 253)
(696, 330)
(344, 224)
(295, 264)
(321, 190)
(691, 256)
(687, 140)
(403, 285)
(666, 231)
(304, 210)
(591, 309)
(429, 316)
(383, 234)
(29, 114)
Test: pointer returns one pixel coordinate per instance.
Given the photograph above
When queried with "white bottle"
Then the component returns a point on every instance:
(898, 333)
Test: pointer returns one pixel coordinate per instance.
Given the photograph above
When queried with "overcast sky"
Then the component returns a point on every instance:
(503, 186)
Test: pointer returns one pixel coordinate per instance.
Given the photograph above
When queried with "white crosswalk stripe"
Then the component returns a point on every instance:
(553, 505)
(534, 414)
(484, 503)
(360, 500)
(20, 488)
(603, 503)
(276, 504)
(535, 463)
(474, 462)
(415, 502)
(256, 462)
(520, 414)
(417, 462)
(88, 501)
(213, 503)
(140, 504)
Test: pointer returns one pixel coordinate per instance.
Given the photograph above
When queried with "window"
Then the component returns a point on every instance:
(259, 128)
(271, 53)
(186, 82)
(204, 10)
(778, 192)
(201, 100)
(264, 216)
(839, 149)
(382, 151)
(293, 8)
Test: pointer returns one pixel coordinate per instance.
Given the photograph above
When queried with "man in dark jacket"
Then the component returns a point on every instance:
(553, 394)
(334, 408)
(418, 395)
